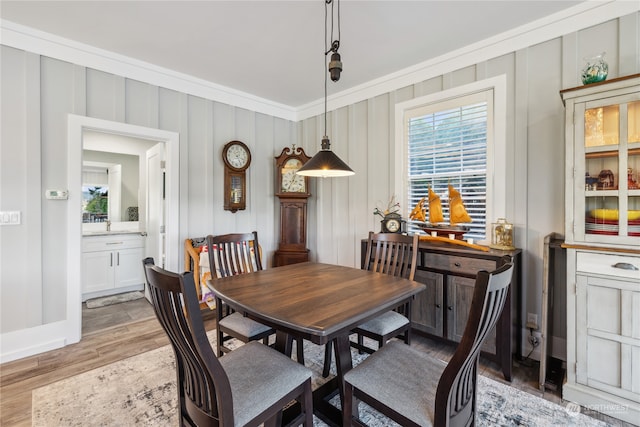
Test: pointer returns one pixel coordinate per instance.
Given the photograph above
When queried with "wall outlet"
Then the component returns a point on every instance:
(532, 321)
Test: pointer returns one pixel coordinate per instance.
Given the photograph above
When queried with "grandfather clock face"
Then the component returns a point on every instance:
(291, 181)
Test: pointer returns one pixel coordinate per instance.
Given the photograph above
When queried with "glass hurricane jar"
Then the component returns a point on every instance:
(595, 70)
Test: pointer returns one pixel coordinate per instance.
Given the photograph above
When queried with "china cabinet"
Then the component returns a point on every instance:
(111, 264)
(602, 229)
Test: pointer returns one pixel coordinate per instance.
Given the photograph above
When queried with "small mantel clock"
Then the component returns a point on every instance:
(237, 158)
(293, 192)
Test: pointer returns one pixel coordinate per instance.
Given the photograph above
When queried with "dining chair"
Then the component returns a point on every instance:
(395, 255)
(250, 386)
(230, 255)
(416, 389)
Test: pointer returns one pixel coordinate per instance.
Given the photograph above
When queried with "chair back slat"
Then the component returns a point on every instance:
(455, 403)
(233, 254)
(204, 389)
(391, 254)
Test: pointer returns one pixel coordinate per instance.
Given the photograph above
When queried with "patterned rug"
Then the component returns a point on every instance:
(141, 390)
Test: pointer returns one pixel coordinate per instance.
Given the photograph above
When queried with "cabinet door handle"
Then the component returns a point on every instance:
(111, 259)
(457, 264)
(114, 243)
(625, 266)
(450, 308)
(437, 305)
(118, 258)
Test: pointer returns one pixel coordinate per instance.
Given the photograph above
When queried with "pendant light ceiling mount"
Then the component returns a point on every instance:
(326, 163)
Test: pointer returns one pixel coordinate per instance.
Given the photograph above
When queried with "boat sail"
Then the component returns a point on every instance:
(457, 214)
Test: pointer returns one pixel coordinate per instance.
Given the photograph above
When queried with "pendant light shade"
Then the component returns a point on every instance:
(326, 163)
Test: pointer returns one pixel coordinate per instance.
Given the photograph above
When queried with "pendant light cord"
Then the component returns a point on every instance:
(335, 44)
(325, 59)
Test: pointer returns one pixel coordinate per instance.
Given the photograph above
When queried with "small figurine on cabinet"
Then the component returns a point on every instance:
(632, 184)
(606, 180)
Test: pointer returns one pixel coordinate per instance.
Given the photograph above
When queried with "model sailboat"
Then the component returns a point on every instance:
(457, 214)
(438, 230)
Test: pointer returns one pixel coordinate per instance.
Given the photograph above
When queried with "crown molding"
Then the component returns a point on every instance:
(583, 15)
(50, 45)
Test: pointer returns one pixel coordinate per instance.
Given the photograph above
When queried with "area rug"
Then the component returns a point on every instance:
(141, 390)
(114, 299)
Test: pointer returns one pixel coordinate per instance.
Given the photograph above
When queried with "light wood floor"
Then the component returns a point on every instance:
(116, 332)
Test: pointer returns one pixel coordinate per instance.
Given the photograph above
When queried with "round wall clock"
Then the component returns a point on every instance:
(237, 158)
(236, 155)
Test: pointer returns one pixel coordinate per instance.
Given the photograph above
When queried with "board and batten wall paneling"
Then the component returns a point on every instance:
(57, 100)
(308, 139)
(545, 162)
(105, 96)
(200, 155)
(534, 134)
(37, 120)
(358, 156)
(141, 104)
(44, 90)
(21, 272)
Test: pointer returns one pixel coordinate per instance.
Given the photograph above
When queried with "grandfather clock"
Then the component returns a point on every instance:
(293, 192)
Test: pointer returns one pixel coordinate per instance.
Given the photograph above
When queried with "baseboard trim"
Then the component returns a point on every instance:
(30, 341)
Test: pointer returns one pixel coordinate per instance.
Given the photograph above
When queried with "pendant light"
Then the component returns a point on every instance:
(326, 163)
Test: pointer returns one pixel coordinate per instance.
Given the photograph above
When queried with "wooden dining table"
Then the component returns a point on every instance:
(317, 302)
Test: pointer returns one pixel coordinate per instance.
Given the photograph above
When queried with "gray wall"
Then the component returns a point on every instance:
(37, 95)
(363, 136)
(38, 92)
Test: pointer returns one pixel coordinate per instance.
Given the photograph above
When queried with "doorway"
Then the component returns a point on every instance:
(81, 128)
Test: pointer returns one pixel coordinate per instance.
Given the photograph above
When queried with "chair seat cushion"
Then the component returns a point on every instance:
(389, 376)
(243, 325)
(260, 376)
(385, 323)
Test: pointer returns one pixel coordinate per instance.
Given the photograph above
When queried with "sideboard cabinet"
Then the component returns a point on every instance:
(602, 229)
(441, 311)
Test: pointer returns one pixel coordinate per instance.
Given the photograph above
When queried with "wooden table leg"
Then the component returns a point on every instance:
(284, 343)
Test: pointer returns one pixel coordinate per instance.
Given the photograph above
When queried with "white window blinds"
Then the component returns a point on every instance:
(447, 144)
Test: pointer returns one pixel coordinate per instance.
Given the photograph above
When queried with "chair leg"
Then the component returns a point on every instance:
(300, 350)
(360, 343)
(328, 350)
(348, 406)
(219, 343)
(308, 404)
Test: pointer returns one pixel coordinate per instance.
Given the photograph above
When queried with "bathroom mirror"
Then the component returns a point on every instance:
(110, 186)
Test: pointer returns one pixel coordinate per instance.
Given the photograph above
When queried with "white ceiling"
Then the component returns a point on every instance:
(274, 50)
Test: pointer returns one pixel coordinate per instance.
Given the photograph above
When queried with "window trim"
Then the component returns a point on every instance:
(496, 144)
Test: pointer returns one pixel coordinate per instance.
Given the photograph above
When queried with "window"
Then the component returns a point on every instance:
(449, 138)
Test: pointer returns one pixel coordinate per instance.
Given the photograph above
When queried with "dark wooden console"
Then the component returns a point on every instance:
(441, 311)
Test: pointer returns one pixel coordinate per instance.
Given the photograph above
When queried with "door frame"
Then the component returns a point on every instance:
(76, 125)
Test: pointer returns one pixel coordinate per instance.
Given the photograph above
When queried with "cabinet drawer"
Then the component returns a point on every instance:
(457, 264)
(598, 263)
(109, 243)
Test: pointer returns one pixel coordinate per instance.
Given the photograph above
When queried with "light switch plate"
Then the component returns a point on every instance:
(10, 218)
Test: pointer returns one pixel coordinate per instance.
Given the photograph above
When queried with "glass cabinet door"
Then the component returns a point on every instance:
(611, 146)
